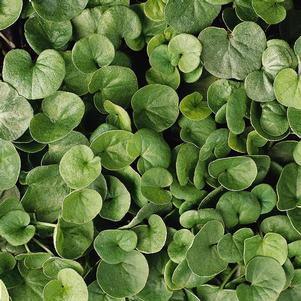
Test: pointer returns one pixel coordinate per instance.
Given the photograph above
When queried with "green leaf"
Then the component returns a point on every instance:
(231, 247)
(266, 196)
(238, 207)
(280, 224)
(92, 52)
(214, 293)
(68, 286)
(3, 292)
(205, 246)
(271, 11)
(34, 80)
(81, 206)
(267, 280)
(45, 193)
(53, 265)
(271, 245)
(186, 50)
(178, 247)
(79, 167)
(10, 12)
(287, 88)
(71, 240)
(75, 81)
(239, 52)
(193, 107)
(154, 183)
(116, 148)
(97, 294)
(113, 246)
(191, 16)
(57, 120)
(117, 116)
(293, 292)
(236, 173)
(129, 276)
(155, 107)
(117, 202)
(42, 34)
(59, 10)
(15, 228)
(15, 113)
(196, 132)
(155, 152)
(114, 83)
(10, 165)
(288, 188)
(119, 22)
(151, 237)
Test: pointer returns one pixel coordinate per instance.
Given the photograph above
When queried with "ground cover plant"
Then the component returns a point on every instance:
(150, 150)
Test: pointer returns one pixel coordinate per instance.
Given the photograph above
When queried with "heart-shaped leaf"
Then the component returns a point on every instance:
(34, 80)
(239, 52)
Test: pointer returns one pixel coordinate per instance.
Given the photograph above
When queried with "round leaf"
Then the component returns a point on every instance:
(92, 52)
(129, 276)
(57, 119)
(236, 173)
(68, 286)
(117, 148)
(155, 107)
(79, 167)
(81, 206)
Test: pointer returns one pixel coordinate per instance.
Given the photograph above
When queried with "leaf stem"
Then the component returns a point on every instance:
(27, 248)
(46, 224)
(42, 246)
(229, 276)
(7, 41)
(210, 196)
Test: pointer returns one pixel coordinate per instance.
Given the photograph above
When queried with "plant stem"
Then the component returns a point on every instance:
(46, 224)
(7, 41)
(229, 277)
(27, 248)
(42, 246)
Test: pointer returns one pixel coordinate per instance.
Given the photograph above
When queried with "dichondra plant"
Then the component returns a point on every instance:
(150, 150)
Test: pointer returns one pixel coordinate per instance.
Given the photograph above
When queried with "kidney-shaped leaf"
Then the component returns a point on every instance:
(239, 52)
(93, 52)
(79, 167)
(114, 83)
(129, 277)
(114, 245)
(156, 107)
(153, 184)
(62, 112)
(117, 148)
(15, 228)
(267, 280)
(151, 237)
(81, 206)
(69, 285)
(236, 173)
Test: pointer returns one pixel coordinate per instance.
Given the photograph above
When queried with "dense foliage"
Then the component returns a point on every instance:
(150, 151)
